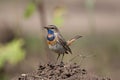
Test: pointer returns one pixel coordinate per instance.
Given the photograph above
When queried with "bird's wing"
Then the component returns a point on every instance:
(62, 41)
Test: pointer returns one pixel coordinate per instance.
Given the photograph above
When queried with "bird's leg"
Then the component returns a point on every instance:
(57, 58)
(62, 58)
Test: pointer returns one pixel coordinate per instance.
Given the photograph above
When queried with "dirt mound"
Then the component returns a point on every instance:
(60, 72)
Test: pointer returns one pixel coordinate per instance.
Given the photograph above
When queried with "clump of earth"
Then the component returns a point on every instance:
(60, 71)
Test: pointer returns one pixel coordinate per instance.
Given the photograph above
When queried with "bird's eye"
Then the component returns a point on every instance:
(52, 28)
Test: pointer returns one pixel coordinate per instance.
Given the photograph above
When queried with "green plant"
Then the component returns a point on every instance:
(12, 52)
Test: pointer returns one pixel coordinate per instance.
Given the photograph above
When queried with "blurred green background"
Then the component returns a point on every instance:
(22, 43)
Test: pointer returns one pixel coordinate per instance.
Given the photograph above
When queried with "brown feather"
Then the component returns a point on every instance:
(64, 43)
(69, 42)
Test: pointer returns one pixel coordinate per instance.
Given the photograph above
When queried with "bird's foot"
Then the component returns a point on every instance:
(62, 64)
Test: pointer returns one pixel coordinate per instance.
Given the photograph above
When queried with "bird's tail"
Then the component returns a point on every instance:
(69, 42)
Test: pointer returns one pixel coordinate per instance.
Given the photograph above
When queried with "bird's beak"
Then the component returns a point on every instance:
(45, 27)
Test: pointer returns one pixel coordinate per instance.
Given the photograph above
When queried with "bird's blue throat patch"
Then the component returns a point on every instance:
(52, 36)
(50, 31)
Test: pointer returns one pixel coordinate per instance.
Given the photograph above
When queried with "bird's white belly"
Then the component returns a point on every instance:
(57, 48)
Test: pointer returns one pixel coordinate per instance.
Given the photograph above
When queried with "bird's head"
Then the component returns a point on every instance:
(51, 28)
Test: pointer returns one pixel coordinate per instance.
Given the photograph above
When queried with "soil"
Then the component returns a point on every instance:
(60, 71)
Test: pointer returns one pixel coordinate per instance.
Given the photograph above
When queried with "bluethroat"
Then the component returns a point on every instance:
(57, 43)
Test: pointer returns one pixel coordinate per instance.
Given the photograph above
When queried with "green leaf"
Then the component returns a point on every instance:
(17, 52)
(2, 60)
(12, 52)
(58, 16)
(90, 4)
(29, 10)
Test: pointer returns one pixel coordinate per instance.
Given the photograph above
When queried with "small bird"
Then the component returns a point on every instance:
(57, 43)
